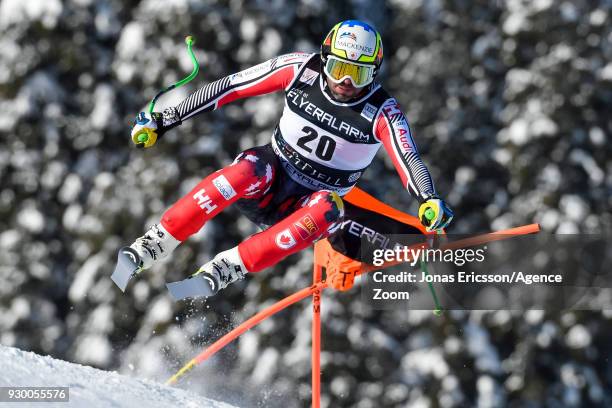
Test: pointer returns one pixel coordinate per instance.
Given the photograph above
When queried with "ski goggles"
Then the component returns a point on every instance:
(338, 70)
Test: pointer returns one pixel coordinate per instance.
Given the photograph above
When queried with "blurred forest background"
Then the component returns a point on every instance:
(509, 103)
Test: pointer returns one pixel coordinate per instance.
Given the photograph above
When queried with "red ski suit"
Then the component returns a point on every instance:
(320, 148)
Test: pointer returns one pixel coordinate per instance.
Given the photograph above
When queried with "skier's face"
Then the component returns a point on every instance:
(344, 91)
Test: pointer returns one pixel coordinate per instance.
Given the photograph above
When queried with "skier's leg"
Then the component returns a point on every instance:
(316, 218)
(250, 175)
(318, 215)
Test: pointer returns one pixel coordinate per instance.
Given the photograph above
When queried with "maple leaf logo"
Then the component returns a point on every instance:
(285, 240)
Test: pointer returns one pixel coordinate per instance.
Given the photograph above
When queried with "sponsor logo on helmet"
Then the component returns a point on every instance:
(350, 35)
(356, 41)
(345, 45)
(285, 240)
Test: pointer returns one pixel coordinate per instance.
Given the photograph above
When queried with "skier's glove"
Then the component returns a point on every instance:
(435, 214)
(341, 280)
(148, 127)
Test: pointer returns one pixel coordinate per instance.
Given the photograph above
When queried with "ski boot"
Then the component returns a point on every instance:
(155, 245)
(227, 267)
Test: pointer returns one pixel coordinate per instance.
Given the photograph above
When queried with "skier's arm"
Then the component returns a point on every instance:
(273, 75)
(392, 130)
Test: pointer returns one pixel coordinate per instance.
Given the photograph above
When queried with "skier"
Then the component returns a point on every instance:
(334, 121)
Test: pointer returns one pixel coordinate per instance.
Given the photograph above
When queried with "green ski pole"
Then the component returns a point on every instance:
(429, 215)
(144, 136)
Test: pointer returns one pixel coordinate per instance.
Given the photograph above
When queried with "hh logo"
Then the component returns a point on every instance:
(204, 201)
(306, 226)
(285, 240)
(392, 110)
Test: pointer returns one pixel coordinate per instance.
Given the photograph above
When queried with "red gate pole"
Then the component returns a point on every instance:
(316, 337)
(321, 249)
(243, 327)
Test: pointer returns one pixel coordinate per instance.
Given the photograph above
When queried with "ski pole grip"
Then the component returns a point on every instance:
(141, 139)
(430, 214)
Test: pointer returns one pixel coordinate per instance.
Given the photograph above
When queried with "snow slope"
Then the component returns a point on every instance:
(90, 387)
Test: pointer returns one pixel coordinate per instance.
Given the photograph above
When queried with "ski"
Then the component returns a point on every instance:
(128, 266)
(197, 285)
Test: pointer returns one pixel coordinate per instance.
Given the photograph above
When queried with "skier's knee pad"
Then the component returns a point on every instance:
(319, 212)
(337, 204)
(332, 205)
(330, 199)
